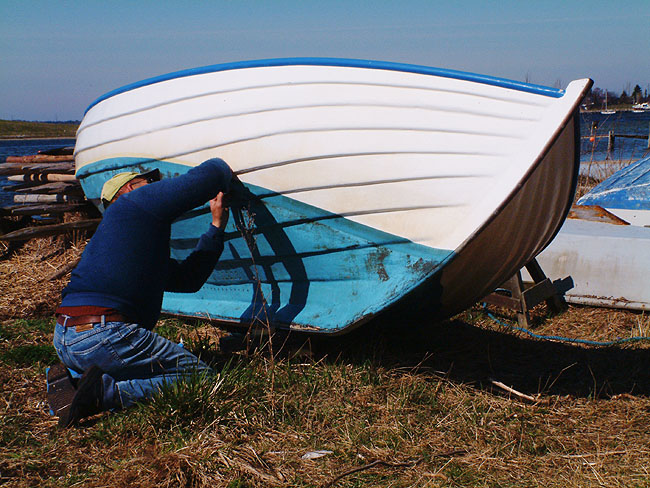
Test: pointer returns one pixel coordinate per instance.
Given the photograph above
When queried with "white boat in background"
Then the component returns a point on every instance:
(370, 184)
(607, 111)
(604, 245)
(609, 263)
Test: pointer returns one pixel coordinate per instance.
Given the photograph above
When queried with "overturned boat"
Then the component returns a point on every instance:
(369, 185)
(626, 193)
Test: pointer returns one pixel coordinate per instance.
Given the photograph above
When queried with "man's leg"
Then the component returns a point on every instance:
(135, 361)
(147, 362)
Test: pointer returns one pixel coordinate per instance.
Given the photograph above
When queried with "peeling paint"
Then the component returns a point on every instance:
(422, 267)
(375, 262)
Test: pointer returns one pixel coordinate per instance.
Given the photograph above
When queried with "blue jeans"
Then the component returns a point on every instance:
(136, 361)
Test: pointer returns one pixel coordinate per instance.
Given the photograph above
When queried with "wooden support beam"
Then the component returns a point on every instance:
(45, 198)
(63, 270)
(39, 158)
(58, 187)
(546, 290)
(41, 177)
(51, 208)
(59, 151)
(522, 299)
(50, 230)
(22, 168)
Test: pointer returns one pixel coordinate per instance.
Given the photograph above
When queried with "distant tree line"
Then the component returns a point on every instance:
(629, 96)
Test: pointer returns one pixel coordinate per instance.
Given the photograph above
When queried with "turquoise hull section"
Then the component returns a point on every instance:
(286, 263)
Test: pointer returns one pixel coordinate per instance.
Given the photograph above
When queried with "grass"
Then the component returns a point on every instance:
(402, 402)
(407, 407)
(20, 129)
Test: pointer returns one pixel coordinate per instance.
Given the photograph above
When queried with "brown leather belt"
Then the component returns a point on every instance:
(88, 320)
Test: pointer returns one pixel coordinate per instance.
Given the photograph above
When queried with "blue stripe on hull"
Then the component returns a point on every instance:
(341, 62)
(297, 264)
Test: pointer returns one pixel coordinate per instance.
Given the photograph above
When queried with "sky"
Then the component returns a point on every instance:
(56, 57)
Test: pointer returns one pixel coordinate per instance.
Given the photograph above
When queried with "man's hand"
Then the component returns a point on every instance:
(219, 211)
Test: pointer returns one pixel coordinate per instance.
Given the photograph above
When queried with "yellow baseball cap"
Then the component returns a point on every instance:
(112, 186)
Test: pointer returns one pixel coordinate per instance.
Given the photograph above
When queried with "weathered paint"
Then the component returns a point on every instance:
(595, 213)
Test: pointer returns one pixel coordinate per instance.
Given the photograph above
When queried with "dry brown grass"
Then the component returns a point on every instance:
(403, 402)
(596, 172)
(25, 290)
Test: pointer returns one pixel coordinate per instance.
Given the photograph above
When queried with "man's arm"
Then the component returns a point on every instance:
(189, 275)
(169, 198)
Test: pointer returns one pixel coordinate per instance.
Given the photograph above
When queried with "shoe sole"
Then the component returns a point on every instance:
(60, 387)
(70, 415)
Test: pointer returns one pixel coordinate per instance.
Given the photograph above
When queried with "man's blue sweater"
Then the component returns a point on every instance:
(126, 265)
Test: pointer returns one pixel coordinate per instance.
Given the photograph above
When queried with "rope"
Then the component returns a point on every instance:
(564, 339)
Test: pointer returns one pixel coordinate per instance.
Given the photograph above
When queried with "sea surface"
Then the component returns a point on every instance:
(24, 147)
(625, 150)
(591, 123)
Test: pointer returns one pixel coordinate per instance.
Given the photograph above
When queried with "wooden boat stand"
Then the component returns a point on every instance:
(522, 299)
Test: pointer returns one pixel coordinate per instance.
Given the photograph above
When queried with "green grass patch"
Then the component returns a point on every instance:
(27, 342)
(21, 128)
(171, 328)
(238, 484)
(14, 431)
(463, 475)
(200, 399)
(26, 328)
(29, 355)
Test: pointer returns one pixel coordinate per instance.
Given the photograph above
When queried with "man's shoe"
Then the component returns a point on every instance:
(87, 399)
(60, 387)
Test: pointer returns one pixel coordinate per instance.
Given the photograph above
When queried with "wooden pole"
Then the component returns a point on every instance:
(50, 230)
(42, 198)
(38, 158)
(58, 177)
(610, 143)
(54, 188)
(37, 177)
(63, 270)
(22, 168)
(45, 208)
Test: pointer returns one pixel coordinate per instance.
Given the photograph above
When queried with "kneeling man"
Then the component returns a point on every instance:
(109, 308)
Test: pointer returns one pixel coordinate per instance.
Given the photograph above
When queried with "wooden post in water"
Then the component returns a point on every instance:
(610, 143)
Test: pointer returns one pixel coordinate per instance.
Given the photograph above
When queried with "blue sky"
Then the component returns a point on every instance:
(56, 57)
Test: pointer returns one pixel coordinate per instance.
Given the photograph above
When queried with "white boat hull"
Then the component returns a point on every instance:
(429, 183)
(609, 264)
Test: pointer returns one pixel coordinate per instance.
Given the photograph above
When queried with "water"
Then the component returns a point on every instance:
(625, 150)
(24, 147)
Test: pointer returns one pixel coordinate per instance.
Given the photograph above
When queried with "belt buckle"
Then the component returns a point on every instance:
(83, 327)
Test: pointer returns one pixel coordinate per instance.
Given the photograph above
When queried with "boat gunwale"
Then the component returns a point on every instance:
(342, 63)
